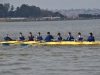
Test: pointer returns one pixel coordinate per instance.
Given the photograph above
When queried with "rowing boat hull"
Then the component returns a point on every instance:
(53, 42)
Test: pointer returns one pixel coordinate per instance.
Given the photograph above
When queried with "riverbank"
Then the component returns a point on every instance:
(41, 19)
(29, 19)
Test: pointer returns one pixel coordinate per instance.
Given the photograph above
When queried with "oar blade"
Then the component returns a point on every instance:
(23, 44)
(5, 44)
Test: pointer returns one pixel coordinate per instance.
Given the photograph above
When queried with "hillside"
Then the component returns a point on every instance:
(76, 12)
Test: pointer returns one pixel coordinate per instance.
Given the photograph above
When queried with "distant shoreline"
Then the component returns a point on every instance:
(40, 19)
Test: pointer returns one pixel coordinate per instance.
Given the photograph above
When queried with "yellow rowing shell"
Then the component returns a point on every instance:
(53, 42)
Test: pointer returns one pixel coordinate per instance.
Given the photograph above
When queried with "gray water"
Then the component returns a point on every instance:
(50, 60)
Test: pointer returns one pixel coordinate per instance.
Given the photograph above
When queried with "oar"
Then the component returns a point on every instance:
(23, 44)
(5, 44)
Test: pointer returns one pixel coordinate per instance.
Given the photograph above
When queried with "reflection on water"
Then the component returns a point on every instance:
(49, 60)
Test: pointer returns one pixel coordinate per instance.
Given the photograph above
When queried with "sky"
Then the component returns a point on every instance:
(57, 4)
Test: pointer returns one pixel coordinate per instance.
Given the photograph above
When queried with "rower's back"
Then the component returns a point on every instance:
(48, 37)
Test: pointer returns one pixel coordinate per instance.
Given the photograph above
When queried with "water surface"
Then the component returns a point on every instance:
(50, 60)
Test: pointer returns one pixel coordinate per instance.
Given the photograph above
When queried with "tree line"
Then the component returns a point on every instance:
(89, 16)
(7, 10)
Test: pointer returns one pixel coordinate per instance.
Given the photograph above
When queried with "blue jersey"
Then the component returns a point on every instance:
(7, 39)
(90, 38)
(80, 38)
(69, 38)
(31, 38)
(48, 38)
(39, 37)
(59, 38)
(21, 37)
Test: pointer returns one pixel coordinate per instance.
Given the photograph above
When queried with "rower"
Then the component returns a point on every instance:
(79, 38)
(69, 37)
(39, 37)
(7, 38)
(59, 37)
(90, 37)
(30, 37)
(21, 37)
(48, 37)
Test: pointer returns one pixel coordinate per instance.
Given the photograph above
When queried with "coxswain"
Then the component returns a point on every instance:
(7, 38)
(49, 37)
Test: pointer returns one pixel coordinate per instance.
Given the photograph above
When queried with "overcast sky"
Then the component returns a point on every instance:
(57, 4)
